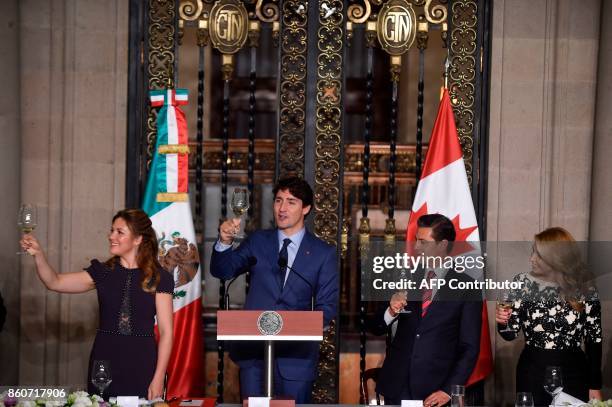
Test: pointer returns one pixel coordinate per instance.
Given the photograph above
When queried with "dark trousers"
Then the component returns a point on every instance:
(474, 394)
(531, 369)
(252, 385)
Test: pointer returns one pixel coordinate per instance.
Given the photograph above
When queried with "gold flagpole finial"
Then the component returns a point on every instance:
(446, 66)
(170, 79)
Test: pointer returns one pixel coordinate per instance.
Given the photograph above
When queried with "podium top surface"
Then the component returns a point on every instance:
(270, 325)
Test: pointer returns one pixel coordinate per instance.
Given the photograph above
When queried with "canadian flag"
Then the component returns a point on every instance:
(444, 189)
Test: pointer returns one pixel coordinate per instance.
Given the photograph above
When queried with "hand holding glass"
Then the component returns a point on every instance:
(26, 221)
(505, 303)
(400, 296)
(101, 375)
(240, 204)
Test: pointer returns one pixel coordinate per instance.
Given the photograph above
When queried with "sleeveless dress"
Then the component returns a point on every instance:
(125, 335)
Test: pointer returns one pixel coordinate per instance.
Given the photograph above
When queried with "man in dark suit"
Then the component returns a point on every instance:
(280, 285)
(438, 337)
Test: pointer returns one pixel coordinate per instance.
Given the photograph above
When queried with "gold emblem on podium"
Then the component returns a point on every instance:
(269, 323)
(229, 26)
(396, 27)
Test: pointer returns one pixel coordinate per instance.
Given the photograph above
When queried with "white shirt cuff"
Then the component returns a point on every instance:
(221, 247)
(388, 318)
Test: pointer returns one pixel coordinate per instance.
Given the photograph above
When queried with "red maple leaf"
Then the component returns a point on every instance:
(462, 234)
(412, 223)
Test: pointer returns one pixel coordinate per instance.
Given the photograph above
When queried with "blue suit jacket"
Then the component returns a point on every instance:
(436, 351)
(315, 261)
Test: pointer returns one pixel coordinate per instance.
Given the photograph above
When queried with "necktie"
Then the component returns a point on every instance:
(283, 254)
(427, 294)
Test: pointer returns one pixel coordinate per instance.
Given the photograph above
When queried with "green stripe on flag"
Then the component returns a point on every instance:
(157, 174)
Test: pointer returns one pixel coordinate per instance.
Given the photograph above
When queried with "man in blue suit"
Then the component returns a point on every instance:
(438, 337)
(280, 260)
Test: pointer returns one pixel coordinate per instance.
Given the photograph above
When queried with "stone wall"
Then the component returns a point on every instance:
(542, 172)
(9, 185)
(73, 137)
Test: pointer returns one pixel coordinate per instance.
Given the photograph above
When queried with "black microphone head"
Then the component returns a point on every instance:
(252, 261)
(282, 262)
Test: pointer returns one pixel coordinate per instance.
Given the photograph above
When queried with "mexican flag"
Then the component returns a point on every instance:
(444, 189)
(166, 202)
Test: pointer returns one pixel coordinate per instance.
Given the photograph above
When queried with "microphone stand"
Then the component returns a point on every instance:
(282, 263)
(226, 299)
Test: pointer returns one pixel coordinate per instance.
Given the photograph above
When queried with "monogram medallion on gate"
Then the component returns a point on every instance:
(228, 26)
(396, 27)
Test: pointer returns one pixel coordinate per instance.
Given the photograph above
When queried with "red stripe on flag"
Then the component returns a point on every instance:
(445, 148)
(183, 159)
(183, 172)
(484, 363)
(181, 126)
(185, 368)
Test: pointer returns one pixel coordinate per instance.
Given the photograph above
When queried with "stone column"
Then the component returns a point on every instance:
(9, 185)
(543, 79)
(74, 96)
(601, 186)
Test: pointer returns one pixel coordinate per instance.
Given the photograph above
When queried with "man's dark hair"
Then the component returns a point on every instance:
(296, 187)
(441, 227)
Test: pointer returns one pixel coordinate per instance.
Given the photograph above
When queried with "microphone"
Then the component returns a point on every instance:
(283, 263)
(251, 262)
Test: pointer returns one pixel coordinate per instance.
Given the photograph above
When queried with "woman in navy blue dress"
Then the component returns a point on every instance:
(132, 289)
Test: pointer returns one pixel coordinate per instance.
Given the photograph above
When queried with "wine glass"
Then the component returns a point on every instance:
(26, 221)
(505, 302)
(101, 375)
(240, 204)
(523, 399)
(404, 310)
(553, 381)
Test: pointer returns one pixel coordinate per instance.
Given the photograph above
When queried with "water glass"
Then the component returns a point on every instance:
(553, 382)
(101, 375)
(524, 399)
(457, 395)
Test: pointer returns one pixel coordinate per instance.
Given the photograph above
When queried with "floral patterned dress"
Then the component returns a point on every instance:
(554, 334)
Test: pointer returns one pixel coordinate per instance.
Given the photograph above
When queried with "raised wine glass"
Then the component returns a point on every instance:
(404, 309)
(101, 375)
(553, 382)
(26, 220)
(523, 399)
(240, 205)
(504, 302)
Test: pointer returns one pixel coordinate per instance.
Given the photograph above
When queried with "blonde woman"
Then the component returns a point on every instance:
(558, 310)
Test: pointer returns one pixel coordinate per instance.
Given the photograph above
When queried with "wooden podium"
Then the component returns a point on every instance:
(269, 326)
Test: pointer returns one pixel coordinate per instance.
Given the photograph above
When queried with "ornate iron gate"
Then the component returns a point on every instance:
(311, 39)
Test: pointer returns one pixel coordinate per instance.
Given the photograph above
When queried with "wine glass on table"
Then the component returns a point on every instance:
(553, 382)
(504, 302)
(101, 375)
(240, 205)
(26, 221)
(523, 399)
